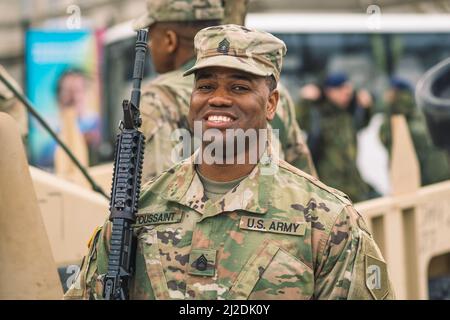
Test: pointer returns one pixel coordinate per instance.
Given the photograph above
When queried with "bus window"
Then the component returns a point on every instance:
(413, 54)
(311, 56)
(368, 58)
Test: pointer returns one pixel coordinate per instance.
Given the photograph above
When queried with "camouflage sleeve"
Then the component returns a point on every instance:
(351, 265)
(385, 133)
(158, 124)
(89, 282)
(302, 111)
(295, 149)
(362, 117)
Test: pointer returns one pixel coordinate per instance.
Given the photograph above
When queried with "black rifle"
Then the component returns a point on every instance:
(126, 186)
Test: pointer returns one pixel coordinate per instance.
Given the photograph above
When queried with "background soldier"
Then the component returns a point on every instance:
(332, 119)
(165, 100)
(242, 231)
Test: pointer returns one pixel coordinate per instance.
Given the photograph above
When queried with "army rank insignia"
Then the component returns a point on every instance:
(224, 46)
(202, 262)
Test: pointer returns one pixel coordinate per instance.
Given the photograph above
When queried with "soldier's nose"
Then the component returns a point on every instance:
(220, 102)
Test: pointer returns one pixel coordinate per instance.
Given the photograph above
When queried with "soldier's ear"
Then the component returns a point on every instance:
(171, 40)
(272, 103)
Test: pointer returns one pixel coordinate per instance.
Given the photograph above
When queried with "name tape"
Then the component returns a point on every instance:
(272, 225)
(158, 218)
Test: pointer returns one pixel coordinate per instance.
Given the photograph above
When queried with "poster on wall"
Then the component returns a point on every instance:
(62, 77)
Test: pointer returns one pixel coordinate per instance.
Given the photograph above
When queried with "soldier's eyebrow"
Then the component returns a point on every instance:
(240, 76)
(203, 75)
(206, 75)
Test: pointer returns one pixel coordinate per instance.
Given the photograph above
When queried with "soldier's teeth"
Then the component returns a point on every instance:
(219, 119)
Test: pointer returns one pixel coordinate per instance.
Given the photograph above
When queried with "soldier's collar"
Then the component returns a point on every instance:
(174, 74)
(253, 194)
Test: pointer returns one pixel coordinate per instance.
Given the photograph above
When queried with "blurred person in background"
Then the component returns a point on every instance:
(79, 126)
(165, 100)
(399, 99)
(73, 92)
(332, 115)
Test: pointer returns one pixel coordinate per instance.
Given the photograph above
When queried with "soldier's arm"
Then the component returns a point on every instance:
(296, 150)
(350, 264)
(362, 117)
(158, 125)
(89, 282)
(309, 117)
(385, 133)
(364, 109)
(302, 113)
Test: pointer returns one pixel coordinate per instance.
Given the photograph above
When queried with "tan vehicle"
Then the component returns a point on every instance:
(47, 221)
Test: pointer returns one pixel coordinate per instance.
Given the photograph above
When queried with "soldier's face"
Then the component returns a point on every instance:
(72, 91)
(225, 98)
(340, 96)
(389, 96)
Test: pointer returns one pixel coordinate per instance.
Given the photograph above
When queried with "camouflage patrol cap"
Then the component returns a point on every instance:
(239, 47)
(179, 10)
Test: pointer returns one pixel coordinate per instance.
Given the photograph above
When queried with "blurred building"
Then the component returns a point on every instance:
(354, 6)
(17, 16)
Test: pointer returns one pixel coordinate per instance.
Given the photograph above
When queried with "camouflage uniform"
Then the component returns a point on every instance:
(10, 104)
(434, 166)
(279, 234)
(332, 139)
(165, 100)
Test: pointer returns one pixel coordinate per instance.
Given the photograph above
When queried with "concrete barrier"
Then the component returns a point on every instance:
(413, 232)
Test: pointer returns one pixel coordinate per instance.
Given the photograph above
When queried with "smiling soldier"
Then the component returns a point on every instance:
(172, 25)
(238, 230)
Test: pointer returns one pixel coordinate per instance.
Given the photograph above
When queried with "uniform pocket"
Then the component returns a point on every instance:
(153, 264)
(272, 273)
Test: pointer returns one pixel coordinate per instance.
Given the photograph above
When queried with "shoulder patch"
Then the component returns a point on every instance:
(376, 277)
